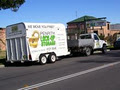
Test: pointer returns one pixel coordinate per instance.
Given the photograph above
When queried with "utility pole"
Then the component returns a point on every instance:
(76, 14)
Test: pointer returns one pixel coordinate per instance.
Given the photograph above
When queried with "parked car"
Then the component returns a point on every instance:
(117, 44)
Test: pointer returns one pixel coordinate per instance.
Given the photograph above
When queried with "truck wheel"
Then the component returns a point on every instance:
(88, 51)
(104, 49)
(42, 59)
(92, 51)
(52, 58)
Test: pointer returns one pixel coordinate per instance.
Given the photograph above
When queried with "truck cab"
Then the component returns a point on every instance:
(98, 43)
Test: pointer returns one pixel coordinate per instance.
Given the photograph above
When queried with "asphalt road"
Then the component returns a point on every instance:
(69, 73)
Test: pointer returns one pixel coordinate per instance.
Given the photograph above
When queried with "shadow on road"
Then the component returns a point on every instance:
(98, 61)
(109, 57)
(2, 61)
(19, 64)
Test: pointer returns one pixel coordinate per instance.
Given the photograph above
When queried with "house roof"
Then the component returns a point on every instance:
(87, 18)
(81, 19)
(115, 26)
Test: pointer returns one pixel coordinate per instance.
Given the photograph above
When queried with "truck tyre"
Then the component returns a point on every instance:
(92, 51)
(42, 59)
(104, 49)
(88, 51)
(52, 58)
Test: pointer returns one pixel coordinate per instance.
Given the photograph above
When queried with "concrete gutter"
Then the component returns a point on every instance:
(101, 51)
(2, 66)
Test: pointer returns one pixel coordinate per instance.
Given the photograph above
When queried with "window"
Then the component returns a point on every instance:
(101, 34)
(85, 37)
(108, 26)
(96, 38)
(96, 32)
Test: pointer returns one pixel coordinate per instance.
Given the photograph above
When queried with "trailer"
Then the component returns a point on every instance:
(41, 42)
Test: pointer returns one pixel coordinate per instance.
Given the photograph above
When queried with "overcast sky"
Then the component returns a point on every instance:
(61, 11)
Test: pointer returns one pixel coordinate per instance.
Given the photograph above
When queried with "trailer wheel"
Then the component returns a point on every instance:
(7, 64)
(52, 58)
(42, 59)
(88, 51)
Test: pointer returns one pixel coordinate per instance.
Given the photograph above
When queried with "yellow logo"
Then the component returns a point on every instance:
(33, 41)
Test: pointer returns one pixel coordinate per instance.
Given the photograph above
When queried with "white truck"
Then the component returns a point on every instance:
(39, 42)
(86, 43)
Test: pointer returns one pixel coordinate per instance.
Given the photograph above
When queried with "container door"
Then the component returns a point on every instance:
(13, 49)
(9, 54)
(24, 48)
(17, 49)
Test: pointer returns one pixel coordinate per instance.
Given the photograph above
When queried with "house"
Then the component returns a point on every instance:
(90, 24)
(2, 39)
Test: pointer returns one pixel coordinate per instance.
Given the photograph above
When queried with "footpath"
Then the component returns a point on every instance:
(2, 66)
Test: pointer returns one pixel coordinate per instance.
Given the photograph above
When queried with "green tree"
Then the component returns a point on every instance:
(101, 37)
(114, 37)
(11, 4)
(109, 39)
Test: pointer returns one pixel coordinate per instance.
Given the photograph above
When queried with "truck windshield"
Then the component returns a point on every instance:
(95, 37)
(85, 37)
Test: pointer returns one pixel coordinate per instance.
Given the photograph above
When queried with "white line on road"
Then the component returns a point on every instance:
(68, 76)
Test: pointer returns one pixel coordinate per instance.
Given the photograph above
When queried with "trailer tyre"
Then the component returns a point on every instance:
(88, 51)
(52, 58)
(7, 64)
(42, 59)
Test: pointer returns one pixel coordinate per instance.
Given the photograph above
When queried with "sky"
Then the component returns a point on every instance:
(61, 11)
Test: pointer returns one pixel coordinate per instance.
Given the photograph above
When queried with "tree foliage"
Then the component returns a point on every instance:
(11, 4)
(101, 37)
(111, 39)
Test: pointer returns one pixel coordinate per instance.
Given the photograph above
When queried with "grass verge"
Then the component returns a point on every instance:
(110, 47)
(2, 57)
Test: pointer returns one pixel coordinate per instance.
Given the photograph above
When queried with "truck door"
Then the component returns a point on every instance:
(96, 42)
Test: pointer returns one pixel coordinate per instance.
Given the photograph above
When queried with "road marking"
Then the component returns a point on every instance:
(68, 76)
